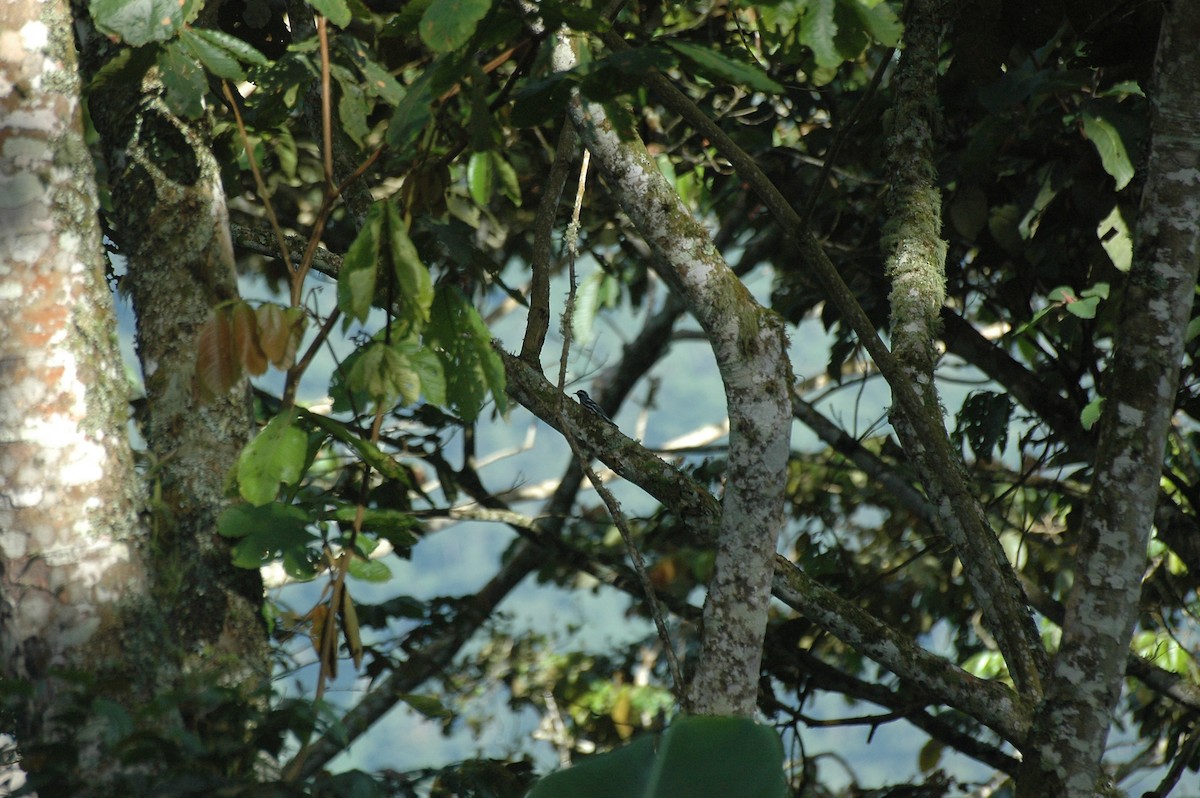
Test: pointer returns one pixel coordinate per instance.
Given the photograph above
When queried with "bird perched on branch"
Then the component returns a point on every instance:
(591, 405)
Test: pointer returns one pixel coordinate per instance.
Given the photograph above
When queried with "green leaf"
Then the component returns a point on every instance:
(1114, 236)
(353, 110)
(879, 20)
(240, 50)
(183, 78)
(449, 24)
(1107, 140)
(360, 269)
(384, 375)
(266, 533)
(623, 772)
(416, 286)
(411, 116)
(698, 757)
(818, 31)
(216, 59)
(1091, 413)
(370, 570)
(480, 177)
(139, 22)
(587, 304)
(277, 454)
(472, 367)
(380, 82)
(392, 525)
(724, 69)
(427, 705)
(428, 367)
(242, 520)
(510, 185)
(336, 11)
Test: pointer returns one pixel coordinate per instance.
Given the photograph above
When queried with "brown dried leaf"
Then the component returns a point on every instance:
(217, 366)
(245, 339)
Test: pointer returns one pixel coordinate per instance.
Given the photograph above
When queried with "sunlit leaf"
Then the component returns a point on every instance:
(336, 11)
(480, 177)
(384, 375)
(243, 51)
(276, 455)
(370, 570)
(818, 30)
(1107, 140)
(1091, 413)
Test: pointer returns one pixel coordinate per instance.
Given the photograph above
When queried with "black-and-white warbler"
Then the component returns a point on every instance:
(591, 405)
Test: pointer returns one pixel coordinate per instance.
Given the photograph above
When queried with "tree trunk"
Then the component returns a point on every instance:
(72, 580)
(171, 224)
(1063, 760)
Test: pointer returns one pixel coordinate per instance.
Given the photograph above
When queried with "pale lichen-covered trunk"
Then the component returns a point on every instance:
(750, 346)
(72, 579)
(1069, 734)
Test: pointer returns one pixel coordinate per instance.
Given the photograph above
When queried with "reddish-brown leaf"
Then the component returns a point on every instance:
(245, 339)
(217, 364)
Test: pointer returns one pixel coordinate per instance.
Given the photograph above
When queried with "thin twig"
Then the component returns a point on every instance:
(326, 103)
(259, 183)
(610, 501)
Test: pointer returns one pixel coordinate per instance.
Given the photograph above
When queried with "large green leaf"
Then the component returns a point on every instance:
(267, 533)
(818, 30)
(449, 24)
(1107, 140)
(216, 59)
(336, 11)
(360, 269)
(416, 286)
(275, 455)
(699, 757)
(723, 68)
(184, 80)
(384, 375)
(139, 22)
(472, 367)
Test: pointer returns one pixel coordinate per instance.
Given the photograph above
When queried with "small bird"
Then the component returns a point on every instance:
(591, 405)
